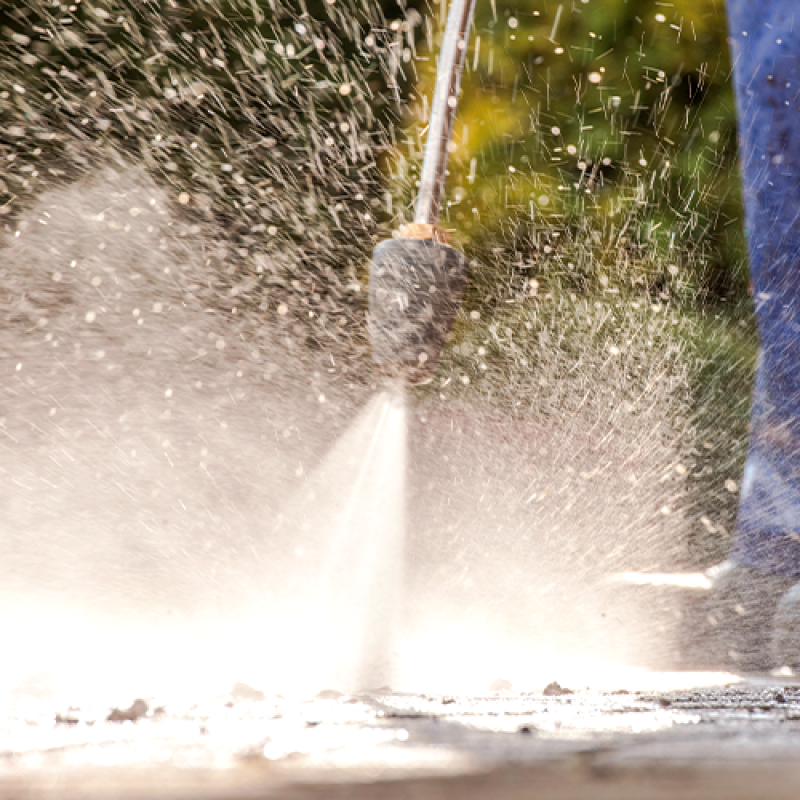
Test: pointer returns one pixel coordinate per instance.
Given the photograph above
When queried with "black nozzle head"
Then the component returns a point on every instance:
(415, 289)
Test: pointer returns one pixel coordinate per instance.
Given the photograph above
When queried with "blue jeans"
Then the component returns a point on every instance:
(765, 37)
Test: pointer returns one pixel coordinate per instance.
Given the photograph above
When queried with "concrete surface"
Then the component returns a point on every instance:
(731, 743)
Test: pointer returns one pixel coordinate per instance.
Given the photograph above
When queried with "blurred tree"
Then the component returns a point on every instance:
(604, 119)
(605, 124)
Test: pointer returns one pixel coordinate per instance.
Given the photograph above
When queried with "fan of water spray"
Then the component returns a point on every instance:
(340, 580)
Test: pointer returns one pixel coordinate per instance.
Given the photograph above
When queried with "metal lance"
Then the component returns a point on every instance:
(417, 280)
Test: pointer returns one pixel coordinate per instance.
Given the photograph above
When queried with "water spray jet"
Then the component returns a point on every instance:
(417, 279)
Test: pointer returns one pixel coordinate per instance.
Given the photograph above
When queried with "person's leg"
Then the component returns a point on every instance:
(765, 557)
(765, 38)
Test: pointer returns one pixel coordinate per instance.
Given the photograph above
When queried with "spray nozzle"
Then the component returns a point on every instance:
(417, 280)
(416, 286)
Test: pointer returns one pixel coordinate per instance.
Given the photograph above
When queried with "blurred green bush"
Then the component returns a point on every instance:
(606, 122)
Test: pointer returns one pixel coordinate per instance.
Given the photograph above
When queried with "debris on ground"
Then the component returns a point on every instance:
(555, 689)
(137, 710)
(526, 729)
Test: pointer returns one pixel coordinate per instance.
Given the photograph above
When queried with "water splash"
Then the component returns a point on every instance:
(346, 526)
(327, 612)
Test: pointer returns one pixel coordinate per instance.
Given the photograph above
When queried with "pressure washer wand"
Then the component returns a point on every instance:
(417, 280)
(443, 111)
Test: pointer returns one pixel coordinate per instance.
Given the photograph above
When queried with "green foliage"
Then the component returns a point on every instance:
(612, 119)
(594, 119)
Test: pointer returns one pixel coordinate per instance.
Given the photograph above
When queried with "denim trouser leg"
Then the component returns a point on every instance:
(766, 52)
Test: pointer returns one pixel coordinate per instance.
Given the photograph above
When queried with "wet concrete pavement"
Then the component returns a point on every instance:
(740, 741)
